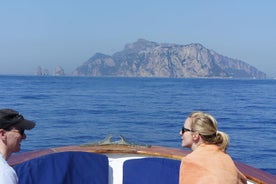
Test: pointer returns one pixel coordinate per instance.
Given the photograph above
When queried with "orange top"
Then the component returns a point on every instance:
(208, 164)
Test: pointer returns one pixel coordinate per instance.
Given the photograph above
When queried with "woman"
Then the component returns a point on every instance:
(208, 162)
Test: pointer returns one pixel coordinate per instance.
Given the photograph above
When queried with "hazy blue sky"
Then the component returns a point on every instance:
(50, 33)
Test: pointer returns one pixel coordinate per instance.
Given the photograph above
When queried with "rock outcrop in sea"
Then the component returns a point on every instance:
(150, 59)
(59, 71)
(39, 71)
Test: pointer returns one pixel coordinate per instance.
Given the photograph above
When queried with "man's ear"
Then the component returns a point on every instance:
(2, 133)
(2, 130)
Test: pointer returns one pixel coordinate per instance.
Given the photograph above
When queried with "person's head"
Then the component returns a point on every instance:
(200, 127)
(12, 127)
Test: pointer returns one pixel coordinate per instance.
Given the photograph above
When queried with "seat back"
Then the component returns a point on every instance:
(64, 168)
(151, 170)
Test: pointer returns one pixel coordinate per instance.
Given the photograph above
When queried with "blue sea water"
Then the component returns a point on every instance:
(78, 110)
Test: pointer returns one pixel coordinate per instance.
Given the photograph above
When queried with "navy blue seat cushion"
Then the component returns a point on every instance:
(64, 168)
(151, 171)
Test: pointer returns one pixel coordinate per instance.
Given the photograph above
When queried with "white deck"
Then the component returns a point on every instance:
(116, 162)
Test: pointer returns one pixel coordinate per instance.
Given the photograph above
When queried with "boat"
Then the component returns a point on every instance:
(111, 162)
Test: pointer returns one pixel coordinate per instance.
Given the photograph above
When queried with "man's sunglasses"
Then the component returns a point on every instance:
(21, 132)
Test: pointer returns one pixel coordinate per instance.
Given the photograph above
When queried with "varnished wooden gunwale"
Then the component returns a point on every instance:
(253, 174)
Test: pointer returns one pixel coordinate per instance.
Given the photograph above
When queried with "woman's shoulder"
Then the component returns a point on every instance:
(210, 151)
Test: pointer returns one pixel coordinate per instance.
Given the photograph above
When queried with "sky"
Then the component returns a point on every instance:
(66, 33)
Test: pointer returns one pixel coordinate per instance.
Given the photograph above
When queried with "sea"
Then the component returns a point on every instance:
(80, 110)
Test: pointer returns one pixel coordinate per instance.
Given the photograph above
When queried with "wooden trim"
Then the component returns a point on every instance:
(255, 175)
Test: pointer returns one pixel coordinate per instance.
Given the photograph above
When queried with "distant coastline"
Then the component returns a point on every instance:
(145, 58)
(74, 76)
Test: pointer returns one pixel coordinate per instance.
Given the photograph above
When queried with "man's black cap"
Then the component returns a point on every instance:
(10, 117)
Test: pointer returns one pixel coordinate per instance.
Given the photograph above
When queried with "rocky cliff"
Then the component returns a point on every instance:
(149, 59)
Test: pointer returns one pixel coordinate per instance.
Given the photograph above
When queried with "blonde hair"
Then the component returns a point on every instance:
(206, 125)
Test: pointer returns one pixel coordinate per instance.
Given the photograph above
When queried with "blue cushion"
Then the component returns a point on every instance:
(64, 168)
(151, 170)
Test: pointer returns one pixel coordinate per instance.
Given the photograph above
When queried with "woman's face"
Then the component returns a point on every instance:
(186, 135)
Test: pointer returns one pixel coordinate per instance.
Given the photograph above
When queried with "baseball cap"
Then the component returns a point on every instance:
(10, 117)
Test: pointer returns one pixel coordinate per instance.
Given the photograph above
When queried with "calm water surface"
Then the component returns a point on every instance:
(76, 110)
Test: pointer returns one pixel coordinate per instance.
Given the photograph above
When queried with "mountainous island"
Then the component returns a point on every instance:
(145, 58)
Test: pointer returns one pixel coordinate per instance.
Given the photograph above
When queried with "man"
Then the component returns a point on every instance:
(12, 126)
